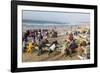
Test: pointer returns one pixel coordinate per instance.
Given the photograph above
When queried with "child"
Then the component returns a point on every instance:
(30, 46)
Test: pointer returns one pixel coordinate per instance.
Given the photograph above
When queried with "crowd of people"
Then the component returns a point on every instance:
(38, 39)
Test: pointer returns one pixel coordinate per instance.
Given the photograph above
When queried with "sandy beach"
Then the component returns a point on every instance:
(56, 55)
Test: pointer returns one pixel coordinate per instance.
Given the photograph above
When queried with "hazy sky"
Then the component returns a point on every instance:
(55, 17)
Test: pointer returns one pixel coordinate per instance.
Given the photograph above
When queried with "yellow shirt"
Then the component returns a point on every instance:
(30, 45)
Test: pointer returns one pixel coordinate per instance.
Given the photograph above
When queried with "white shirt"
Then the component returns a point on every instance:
(53, 47)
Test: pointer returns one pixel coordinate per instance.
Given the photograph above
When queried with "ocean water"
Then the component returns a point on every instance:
(51, 25)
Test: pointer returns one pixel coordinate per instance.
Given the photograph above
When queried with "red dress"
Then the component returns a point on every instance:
(70, 37)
